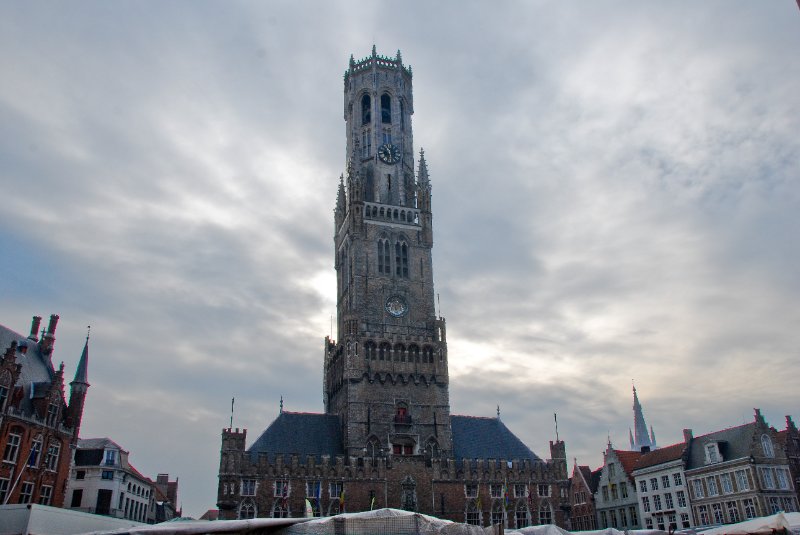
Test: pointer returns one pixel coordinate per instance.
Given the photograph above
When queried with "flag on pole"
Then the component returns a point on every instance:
(372, 504)
(309, 509)
(341, 500)
(506, 499)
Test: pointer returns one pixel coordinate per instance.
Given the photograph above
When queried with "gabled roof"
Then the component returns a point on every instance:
(36, 367)
(661, 456)
(300, 433)
(586, 472)
(734, 443)
(90, 451)
(628, 459)
(487, 438)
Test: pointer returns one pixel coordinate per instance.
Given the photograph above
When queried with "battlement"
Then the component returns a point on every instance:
(377, 61)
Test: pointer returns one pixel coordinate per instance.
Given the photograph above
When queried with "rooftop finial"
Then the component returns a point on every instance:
(281, 405)
(399, 57)
(88, 331)
(498, 411)
(374, 51)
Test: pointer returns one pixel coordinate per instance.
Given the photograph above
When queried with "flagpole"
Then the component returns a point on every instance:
(22, 470)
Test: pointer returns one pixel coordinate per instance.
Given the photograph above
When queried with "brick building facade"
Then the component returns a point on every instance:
(38, 427)
(387, 437)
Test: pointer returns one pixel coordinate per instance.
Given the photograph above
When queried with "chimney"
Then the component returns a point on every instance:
(37, 320)
(49, 338)
(687, 435)
(51, 329)
(759, 418)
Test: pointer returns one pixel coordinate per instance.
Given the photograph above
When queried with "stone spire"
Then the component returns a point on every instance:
(341, 196)
(640, 440)
(422, 173)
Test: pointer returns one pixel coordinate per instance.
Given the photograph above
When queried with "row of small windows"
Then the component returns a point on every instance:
(12, 450)
(388, 213)
(26, 492)
(400, 258)
(384, 351)
(386, 110)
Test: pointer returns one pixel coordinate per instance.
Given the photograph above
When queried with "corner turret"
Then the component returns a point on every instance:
(77, 392)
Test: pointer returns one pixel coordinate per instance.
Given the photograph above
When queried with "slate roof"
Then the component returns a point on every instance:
(663, 455)
(486, 438)
(628, 459)
(734, 443)
(586, 472)
(90, 450)
(36, 367)
(300, 433)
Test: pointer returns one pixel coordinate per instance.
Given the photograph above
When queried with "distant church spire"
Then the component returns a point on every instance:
(422, 173)
(640, 440)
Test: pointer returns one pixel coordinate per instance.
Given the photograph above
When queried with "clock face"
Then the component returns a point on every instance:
(396, 306)
(389, 153)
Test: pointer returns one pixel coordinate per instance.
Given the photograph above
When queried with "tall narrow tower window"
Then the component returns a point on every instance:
(402, 116)
(386, 109)
(384, 266)
(401, 259)
(366, 109)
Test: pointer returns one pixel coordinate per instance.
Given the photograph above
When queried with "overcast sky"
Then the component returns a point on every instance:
(615, 189)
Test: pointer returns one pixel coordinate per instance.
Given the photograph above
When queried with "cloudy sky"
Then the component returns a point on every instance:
(615, 198)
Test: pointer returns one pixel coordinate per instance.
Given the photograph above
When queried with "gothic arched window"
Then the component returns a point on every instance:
(522, 516)
(427, 354)
(413, 353)
(281, 508)
(545, 514)
(373, 448)
(247, 509)
(498, 514)
(383, 351)
(472, 514)
(386, 109)
(366, 109)
(399, 352)
(766, 445)
(369, 350)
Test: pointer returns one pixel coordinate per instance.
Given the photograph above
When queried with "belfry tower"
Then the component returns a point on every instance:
(386, 377)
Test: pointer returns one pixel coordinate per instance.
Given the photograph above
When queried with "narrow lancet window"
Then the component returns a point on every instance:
(386, 109)
(366, 109)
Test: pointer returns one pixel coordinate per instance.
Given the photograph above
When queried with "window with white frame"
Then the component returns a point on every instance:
(248, 487)
(520, 491)
(742, 483)
(648, 522)
(544, 491)
(247, 510)
(51, 460)
(281, 488)
(681, 498)
(634, 516)
(495, 490)
(697, 487)
(111, 458)
(733, 512)
(36, 452)
(717, 510)
(545, 514)
(471, 490)
(665, 482)
(45, 495)
(685, 520)
(12, 447)
(712, 453)
(676, 477)
(766, 477)
(702, 513)
(52, 414)
(26, 492)
(611, 470)
(657, 502)
(646, 504)
(335, 489)
(643, 485)
(668, 501)
(789, 504)
(653, 483)
(750, 510)
(711, 485)
(4, 484)
(766, 445)
(604, 490)
(774, 504)
(727, 483)
(623, 489)
(782, 477)
(472, 515)
(313, 489)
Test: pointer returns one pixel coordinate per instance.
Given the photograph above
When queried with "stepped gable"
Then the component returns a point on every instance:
(300, 433)
(734, 443)
(661, 455)
(477, 437)
(628, 459)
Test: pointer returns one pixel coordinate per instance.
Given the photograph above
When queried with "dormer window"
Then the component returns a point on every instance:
(111, 457)
(712, 453)
(766, 445)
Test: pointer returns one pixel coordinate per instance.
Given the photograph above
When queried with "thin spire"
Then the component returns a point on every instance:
(422, 173)
(82, 373)
(341, 195)
(281, 405)
(641, 438)
(498, 411)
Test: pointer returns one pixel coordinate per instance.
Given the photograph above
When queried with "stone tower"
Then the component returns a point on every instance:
(386, 377)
